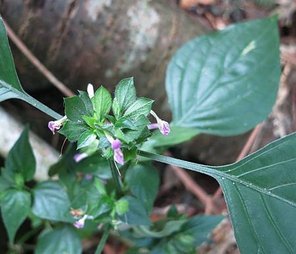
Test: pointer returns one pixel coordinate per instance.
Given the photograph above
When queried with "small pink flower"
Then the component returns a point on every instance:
(79, 156)
(56, 125)
(162, 125)
(117, 152)
(80, 223)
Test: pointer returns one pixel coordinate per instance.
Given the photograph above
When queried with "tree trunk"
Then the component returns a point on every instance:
(99, 41)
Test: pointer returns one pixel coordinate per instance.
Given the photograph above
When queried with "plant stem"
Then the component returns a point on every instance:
(115, 176)
(103, 240)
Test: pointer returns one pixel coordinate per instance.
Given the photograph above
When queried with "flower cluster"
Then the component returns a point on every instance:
(124, 130)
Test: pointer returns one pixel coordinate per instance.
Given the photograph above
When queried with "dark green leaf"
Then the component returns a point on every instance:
(10, 86)
(143, 181)
(260, 195)
(87, 103)
(75, 109)
(102, 102)
(7, 69)
(136, 214)
(15, 207)
(200, 227)
(20, 159)
(125, 93)
(60, 240)
(142, 106)
(51, 202)
(72, 130)
(226, 82)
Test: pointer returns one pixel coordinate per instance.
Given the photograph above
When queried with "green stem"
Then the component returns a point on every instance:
(208, 170)
(37, 104)
(115, 176)
(103, 240)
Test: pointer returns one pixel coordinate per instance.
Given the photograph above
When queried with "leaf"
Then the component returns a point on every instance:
(51, 202)
(260, 195)
(215, 82)
(60, 240)
(102, 102)
(177, 135)
(75, 109)
(125, 93)
(73, 130)
(9, 82)
(85, 139)
(15, 207)
(200, 227)
(143, 181)
(136, 214)
(20, 159)
(142, 106)
(116, 108)
(10, 86)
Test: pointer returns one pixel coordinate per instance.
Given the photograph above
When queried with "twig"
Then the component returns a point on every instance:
(23, 48)
(103, 240)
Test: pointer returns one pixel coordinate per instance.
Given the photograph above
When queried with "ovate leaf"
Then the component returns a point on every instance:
(215, 83)
(51, 202)
(143, 181)
(125, 93)
(142, 106)
(102, 102)
(60, 240)
(15, 206)
(20, 159)
(260, 195)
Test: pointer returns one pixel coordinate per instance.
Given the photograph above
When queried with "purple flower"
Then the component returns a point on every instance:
(56, 125)
(162, 125)
(116, 146)
(80, 223)
(79, 156)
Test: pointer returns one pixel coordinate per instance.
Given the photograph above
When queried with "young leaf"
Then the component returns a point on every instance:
(142, 106)
(143, 181)
(15, 207)
(102, 102)
(216, 82)
(51, 202)
(20, 159)
(260, 195)
(60, 240)
(75, 109)
(125, 93)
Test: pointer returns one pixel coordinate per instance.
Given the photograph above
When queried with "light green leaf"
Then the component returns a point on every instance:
(15, 207)
(102, 102)
(85, 139)
(51, 202)
(143, 181)
(260, 195)
(125, 93)
(60, 240)
(20, 159)
(142, 106)
(226, 82)
(177, 135)
(116, 108)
